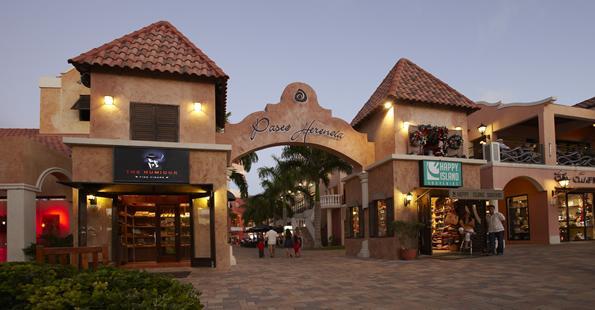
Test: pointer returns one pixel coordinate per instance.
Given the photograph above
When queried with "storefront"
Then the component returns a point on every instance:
(575, 206)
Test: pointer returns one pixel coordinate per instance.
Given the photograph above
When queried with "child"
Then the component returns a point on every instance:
(260, 246)
(297, 244)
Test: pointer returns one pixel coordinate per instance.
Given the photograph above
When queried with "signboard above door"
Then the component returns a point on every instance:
(435, 173)
(150, 165)
(476, 194)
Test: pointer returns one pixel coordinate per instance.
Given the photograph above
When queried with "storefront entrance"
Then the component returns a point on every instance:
(575, 216)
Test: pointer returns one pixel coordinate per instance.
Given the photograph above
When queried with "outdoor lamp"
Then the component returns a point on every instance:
(564, 181)
(482, 128)
(197, 106)
(408, 199)
(406, 125)
(108, 100)
(388, 105)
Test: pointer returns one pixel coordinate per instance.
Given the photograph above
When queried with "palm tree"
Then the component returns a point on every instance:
(314, 165)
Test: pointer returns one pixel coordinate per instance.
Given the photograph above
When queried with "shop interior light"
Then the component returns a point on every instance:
(197, 106)
(408, 199)
(482, 128)
(108, 100)
(388, 105)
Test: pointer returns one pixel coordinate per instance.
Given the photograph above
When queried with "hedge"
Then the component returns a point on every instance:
(41, 286)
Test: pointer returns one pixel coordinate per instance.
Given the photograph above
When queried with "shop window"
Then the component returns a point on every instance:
(355, 217)
(518, 218)
(381, 218)
(575, 216)
(154, 122)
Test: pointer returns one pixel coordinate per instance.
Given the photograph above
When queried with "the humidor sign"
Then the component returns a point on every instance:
(150, 165)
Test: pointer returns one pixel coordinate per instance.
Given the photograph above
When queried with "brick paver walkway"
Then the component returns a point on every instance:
(527, 277)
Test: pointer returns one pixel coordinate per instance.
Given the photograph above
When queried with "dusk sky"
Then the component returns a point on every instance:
(487, 50)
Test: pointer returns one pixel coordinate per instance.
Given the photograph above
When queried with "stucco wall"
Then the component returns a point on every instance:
(56, 115)
(113, 122)
(380, 127)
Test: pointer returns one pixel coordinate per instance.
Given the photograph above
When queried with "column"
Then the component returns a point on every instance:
(547, 136)
(364, 251)
(20, 222)
(329, 224)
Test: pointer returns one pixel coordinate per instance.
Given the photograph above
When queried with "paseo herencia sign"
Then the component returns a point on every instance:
(150, 165)
(263, 125)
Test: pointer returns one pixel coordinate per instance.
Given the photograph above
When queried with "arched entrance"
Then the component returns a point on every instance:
(298, 119)
(525, 206)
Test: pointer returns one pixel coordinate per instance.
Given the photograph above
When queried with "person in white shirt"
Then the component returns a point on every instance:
(495, 230)
(271, 236)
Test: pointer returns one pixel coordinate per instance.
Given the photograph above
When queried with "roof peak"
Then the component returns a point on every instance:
(408, 81)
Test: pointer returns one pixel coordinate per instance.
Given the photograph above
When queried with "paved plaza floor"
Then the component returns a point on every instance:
(526, 277)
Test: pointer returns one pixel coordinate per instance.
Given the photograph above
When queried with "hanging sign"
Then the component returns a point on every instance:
(150, 165)
(434, 173)
(476, 194)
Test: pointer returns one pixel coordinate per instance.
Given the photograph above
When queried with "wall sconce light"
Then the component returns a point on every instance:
(408, 199)
(564, 181)
(406, 125)
(108, 100)
(482, 129)
(92, 200)
(458, 128)
(197, 106)
(388, 105)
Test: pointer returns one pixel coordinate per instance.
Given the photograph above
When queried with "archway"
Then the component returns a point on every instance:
(298, 119)
(525, 207)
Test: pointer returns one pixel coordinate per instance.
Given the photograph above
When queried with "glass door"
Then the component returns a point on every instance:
(579, 208)
(168, 234)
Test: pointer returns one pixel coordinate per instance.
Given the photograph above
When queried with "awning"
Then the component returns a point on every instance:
(83, 103)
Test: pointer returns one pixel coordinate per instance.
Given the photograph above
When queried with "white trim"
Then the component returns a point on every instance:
(500, 105)
(49, 171)
(537, 166)
(50, 82)
(171, 145)
(17, 186)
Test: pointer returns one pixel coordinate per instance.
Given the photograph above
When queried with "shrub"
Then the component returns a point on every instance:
(40, 286)
(407, 232)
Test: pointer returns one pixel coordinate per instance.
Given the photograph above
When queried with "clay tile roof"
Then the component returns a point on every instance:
(408, 81)
(158, 48)
(587, 104)
(51, 141)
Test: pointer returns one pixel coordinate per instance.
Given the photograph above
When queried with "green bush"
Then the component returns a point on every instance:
(40, 286)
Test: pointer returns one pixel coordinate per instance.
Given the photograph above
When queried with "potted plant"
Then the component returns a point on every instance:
(407, 232)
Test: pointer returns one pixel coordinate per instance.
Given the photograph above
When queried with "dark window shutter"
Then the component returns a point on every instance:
(349, 224)
(154, 122)
(142, 121)
(390, 216)
(167, 123)
(373, 219)
(362, 222)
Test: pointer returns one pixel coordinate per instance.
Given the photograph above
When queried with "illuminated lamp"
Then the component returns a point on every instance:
(482, 128)
(197, 107)
(458, 128)
(564, 181)
(408, 199)
(406, 125)
(388, 105)
(108, 100)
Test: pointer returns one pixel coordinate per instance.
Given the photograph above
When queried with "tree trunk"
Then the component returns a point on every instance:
(317, 217)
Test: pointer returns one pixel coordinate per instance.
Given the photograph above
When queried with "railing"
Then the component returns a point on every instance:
(525, 153)
(331, 201)
(301, 205)
(575, 158)
(72, 256)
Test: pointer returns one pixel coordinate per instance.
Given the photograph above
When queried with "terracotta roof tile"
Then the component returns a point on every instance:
(408, 81)
(587, 104)
(158, 48)
(53, 142)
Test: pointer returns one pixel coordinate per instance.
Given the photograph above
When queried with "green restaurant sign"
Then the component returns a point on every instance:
(434, 173)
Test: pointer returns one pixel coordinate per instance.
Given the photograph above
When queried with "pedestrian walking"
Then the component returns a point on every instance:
(288, 243)
(260, 246)
(297, 245)
(495, 230)
(272, 241)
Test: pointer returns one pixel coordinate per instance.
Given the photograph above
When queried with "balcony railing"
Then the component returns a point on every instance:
(331, 201)
(525, 154)
(575, 158)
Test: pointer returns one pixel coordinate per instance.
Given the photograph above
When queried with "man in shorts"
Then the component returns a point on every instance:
(271, 236)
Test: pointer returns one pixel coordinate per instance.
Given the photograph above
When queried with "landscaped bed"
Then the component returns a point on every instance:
(41, 286)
